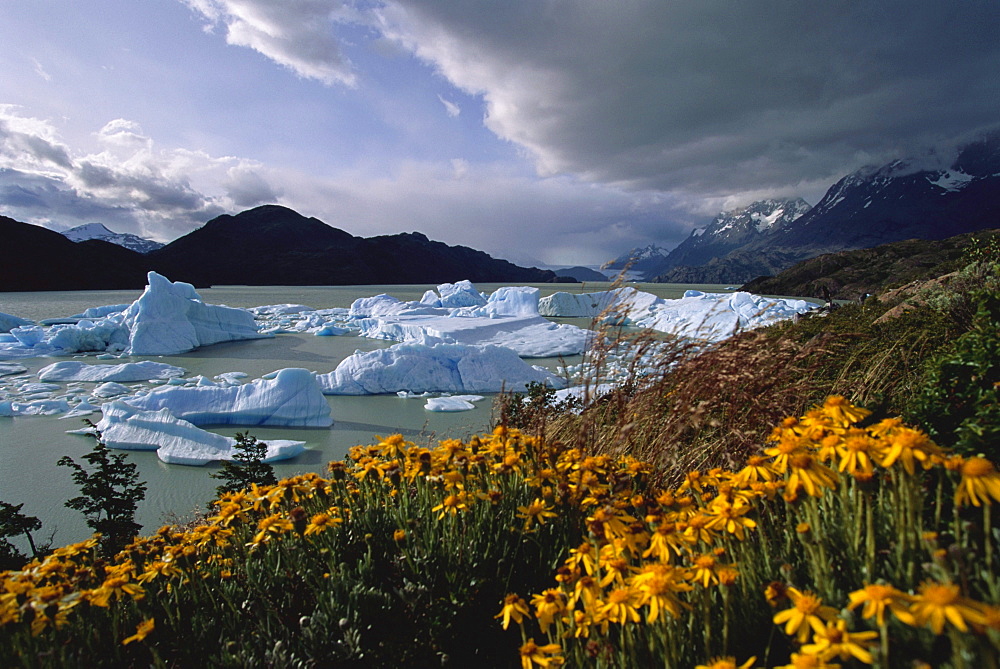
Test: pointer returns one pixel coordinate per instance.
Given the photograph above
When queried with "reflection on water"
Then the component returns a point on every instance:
(30, 446)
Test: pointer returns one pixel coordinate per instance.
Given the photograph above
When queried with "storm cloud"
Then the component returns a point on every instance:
(715, 97)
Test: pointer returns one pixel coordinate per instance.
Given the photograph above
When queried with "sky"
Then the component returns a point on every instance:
(550, 132)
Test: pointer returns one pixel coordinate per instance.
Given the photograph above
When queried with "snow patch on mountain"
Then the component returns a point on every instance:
(97, 231)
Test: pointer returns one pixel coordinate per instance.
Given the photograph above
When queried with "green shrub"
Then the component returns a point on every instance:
(960, 400)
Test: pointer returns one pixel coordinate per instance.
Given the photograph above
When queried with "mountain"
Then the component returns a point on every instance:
(268, 245)
(847, 275)
(274, 245)
(639, 260)
(731, 230)
(97, 231)
(581, 273)
(36, 258)
(872, 206)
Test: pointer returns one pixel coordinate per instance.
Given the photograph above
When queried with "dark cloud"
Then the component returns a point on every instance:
(715, 97)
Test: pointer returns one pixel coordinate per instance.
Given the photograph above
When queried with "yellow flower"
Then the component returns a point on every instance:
(858, 452)
(727, 663)
(909, 446)
(658, 585)
(938, 603)
(808, 471)
(876, 599)
(621, 605)
(274, 524)
(705, 570)
(537, 511)
(142, 630)
(320, 522)
(757, 470)
(514, 608)
(836, 641)
(543, 656)
(730, 516)
(980, 482)
(549, 604)
(452, 504)
(115, 587)
(842, 412)
(807, 613)
(807, 661)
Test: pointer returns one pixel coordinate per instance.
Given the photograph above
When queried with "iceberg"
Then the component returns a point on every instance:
(509, 318)
(175, 441)
(292, 398)
(716, 316)
(620, 304)
(433, 366)
(696, 315)
(170, 318)
(72, 370)
(9, 322)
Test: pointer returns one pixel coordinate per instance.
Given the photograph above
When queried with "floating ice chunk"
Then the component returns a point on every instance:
(292, 398)
(531, 337)
(507, 301)
(9, 368)
(34, 408)
(331, 330)
(72, 370)
(86, 335)
(82, 409)
(9, 322)
(460, 294)
(28, 388)
(111, 389)
(29, 335)
(453, 403)
(170, 318)
(627, 304)
(175, 441)
(715, 316)
(102, 312)
(432, 366)
(271, 310)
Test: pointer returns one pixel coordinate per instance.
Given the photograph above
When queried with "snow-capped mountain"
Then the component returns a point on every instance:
(732, 229)
(871, 206)
(98, 231)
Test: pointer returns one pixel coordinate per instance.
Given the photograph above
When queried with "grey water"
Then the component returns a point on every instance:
(31, 445)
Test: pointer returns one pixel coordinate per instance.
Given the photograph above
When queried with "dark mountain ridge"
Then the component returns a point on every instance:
(267, 245)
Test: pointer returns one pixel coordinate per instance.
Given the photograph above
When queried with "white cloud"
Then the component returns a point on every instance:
(160, 193)
(298, 34)
(40, 70)
(450, 107)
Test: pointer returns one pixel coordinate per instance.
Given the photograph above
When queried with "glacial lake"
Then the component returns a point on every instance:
(31, 445)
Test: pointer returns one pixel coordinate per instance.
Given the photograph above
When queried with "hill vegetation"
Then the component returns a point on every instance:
(846, 275)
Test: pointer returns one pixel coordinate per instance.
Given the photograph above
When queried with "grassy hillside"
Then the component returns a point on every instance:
(849, 274)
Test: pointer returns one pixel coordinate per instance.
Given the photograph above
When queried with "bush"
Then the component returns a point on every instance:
(960, 401)
(111, 494)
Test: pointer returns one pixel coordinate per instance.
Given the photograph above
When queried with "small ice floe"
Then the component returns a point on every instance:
(129, 372)
(452, 403)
